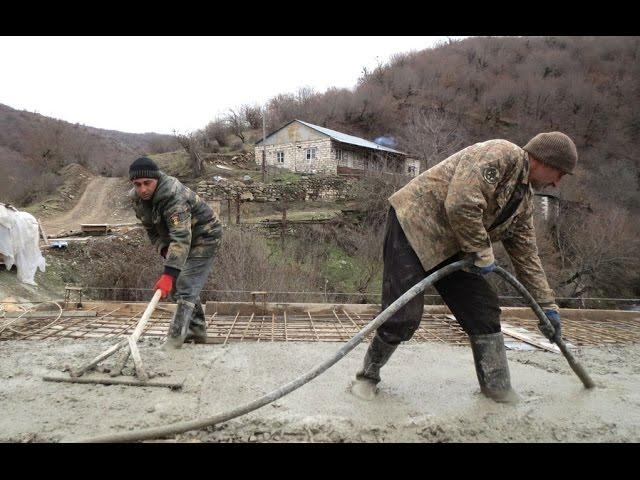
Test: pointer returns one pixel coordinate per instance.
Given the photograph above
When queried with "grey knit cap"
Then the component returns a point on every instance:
(555, 149)
(143, 167)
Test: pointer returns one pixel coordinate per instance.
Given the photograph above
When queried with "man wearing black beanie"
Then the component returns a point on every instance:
(187, 233)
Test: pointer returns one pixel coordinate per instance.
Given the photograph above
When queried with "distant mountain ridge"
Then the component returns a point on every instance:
(33, 148)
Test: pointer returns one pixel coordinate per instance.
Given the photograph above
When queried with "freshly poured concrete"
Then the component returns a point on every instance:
(429, 393)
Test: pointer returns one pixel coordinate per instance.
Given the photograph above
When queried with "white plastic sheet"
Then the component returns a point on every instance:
(19, 244)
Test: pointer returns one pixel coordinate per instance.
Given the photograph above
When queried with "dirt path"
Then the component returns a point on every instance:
(103, 201)
(429, 393)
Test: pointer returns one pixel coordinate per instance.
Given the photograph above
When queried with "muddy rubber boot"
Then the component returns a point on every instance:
(490, 357)
(367, 379)
(197, 331)
(179, 325)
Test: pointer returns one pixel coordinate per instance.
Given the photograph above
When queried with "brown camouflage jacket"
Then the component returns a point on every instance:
(177, 218)
(451, 207)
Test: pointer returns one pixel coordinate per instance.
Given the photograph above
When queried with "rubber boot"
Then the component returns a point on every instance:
(367, 379)
(197, 331)
(179, 325)
(490, 357)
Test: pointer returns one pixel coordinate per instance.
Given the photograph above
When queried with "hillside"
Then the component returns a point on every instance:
(33, 149)
(434, 102)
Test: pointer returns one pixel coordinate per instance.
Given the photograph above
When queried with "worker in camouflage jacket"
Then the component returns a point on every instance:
(187, 233)
(456, 209)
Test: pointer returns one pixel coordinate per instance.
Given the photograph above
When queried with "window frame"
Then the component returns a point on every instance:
(312, 153)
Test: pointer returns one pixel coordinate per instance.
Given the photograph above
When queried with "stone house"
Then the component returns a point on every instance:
(303, 147)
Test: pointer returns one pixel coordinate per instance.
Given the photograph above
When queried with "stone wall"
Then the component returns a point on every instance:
(311, 188)
(295, 158)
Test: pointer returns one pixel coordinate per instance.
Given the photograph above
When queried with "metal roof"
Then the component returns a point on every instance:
(343, 137)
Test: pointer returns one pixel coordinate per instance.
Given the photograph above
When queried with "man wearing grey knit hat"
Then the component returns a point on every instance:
(456, 209)
(553, 155)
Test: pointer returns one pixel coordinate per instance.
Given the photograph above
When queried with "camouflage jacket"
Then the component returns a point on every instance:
(452, 206)
(177, 218)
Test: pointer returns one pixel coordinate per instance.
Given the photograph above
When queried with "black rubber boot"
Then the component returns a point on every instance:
(179, 324)
(197, 331)
(367, 379)
(490, 357)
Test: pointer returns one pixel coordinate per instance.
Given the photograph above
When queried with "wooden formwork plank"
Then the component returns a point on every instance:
(353, 326)
(246, 328)
(231, 328)
(260, 330)
(346, 333)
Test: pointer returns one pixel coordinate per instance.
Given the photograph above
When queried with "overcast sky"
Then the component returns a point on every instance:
(158, 84)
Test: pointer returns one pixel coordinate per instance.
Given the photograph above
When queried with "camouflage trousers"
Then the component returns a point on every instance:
(189, 284)
(471, 299)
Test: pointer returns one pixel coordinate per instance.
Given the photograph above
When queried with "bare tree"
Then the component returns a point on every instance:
(236, 123)
(189, 142)
(217, 131)
(252, 115)
(430, 135)
(598, 252)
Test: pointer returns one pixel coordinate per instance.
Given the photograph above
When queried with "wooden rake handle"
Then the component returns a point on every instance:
(127, 342)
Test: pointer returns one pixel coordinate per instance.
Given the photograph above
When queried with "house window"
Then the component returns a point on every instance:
(347, 159)
(411, 169)
(339, 155)
(280, 157)
(311, 153)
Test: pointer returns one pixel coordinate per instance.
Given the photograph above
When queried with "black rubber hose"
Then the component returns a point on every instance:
(181, 427)
(573, 363)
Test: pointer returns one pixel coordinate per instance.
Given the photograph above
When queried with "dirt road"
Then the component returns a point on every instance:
(103, 201)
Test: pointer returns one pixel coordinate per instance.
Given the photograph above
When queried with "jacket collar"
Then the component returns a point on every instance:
(159, 194)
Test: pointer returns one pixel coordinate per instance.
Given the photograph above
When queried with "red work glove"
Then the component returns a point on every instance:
(165, 284)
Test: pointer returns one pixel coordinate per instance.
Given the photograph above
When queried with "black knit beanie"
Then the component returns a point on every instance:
(143, 167)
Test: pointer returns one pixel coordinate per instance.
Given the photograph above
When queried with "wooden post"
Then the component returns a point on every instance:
(228, 210)
(264, 147)
(284, 220)
(237, 208)
(44, 235)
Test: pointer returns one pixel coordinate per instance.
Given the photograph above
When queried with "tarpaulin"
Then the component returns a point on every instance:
(19, 243)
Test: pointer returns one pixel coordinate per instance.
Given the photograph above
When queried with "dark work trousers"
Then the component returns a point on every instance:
(471, 299)
(189, 284)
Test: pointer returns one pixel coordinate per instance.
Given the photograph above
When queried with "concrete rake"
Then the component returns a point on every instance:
(129, 348)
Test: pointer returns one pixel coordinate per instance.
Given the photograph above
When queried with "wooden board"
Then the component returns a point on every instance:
(535, 340)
